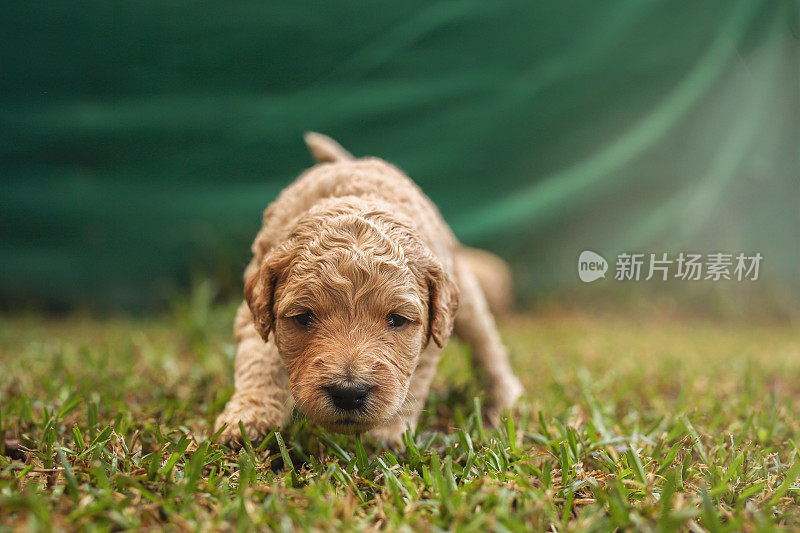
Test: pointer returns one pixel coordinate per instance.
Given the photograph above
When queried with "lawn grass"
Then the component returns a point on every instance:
(637, 423)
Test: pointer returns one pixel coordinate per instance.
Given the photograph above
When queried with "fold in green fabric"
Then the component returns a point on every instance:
(139, 142)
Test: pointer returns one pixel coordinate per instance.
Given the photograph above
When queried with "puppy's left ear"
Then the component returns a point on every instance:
(442, 303)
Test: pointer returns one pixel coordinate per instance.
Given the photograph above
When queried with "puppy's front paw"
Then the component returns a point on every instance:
(506, 394)
(502, 396)
(390, 435)
(258, 420)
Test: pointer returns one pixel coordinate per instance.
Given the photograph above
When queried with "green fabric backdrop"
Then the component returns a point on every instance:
(139, 141)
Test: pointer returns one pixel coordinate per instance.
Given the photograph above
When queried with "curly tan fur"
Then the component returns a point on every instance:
(349, 243)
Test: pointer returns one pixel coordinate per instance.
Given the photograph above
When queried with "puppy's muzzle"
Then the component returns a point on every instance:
(348, 397)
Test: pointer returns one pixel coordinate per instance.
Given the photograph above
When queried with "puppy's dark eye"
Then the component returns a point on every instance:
(304, 320)
(396, 321)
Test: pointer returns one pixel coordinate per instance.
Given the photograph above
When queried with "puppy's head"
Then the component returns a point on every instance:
(352, 298)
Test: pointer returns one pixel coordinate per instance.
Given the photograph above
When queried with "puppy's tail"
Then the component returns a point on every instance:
(324, 149)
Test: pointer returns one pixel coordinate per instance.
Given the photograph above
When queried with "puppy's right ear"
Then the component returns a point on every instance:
(259, 292)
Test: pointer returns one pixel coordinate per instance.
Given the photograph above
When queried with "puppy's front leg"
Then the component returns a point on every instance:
(475, 325)
(392, 432)
(261, 399)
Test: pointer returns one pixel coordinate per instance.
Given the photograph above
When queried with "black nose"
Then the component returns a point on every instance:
(348, 397)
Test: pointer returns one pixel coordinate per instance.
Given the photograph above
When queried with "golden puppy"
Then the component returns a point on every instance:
(355, 285)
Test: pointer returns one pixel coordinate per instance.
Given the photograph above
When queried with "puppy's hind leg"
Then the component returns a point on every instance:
(261, 399)
(475, 325)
